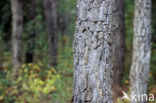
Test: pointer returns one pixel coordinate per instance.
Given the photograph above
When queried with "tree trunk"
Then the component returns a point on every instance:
(17, 30)
(141, 48)
(50, 7)
(31, 39)
(94, 46)
(120, 45)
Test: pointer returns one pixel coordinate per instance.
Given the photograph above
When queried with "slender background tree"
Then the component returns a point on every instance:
(140, 68)
(50, 7)
(17, 30)
(120, 45)
(30, 40)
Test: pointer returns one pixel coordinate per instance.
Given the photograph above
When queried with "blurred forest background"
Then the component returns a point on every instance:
(38, 81)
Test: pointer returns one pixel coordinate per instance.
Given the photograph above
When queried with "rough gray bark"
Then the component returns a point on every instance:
(120, 45)
(96, 27)
(50, 7)
(141, 47)
(17, 30)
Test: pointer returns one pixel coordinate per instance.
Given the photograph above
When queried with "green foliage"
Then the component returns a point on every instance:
(38, 82)
(30, 83)
(65, 69)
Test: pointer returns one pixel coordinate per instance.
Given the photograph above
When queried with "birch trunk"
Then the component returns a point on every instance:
(141, 48)
(96, 27)
(17, 30)
(50, 7)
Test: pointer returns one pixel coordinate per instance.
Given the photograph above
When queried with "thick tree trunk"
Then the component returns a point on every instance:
(17, 30)
(96, 27)
(141, 48)
(120, 45)
(31, 39)
(51, 19)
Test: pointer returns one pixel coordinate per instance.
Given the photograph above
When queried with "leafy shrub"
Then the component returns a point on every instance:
(32, 85)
